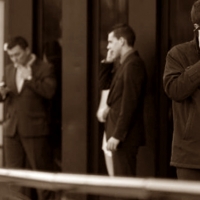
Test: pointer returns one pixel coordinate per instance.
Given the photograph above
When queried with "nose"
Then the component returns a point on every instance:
(108, 46)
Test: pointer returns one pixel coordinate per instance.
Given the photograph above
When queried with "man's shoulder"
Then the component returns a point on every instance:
(185, 47)
(134, 57)
(9, 66)
(135, 64)
(41, 64)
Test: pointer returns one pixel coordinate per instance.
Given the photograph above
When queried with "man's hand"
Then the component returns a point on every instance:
(4, 90)
(26, 72)
(112, 144)
(110, 56)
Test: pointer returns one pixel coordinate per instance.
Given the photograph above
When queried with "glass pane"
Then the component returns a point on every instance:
(112, 12)
(52, 18)
(52, 53)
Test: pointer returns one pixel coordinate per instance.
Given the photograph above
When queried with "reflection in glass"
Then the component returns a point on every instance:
(52, 53)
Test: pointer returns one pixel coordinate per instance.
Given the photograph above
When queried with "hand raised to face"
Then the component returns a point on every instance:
(25, 72)
(110, 56)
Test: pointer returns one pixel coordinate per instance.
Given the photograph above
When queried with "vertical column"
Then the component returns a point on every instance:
(2, 7)
(74, 92)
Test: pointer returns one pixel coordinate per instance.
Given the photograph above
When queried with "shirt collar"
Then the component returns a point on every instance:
(123, 58)
(30, 62)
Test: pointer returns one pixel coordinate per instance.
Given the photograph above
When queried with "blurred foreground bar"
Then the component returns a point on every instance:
(142, 188)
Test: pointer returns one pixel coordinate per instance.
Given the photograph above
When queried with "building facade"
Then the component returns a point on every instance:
(81, 29)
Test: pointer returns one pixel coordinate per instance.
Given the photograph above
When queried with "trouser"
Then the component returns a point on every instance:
(124, 162)
(121, 162)
(29, 153)
(190, 175)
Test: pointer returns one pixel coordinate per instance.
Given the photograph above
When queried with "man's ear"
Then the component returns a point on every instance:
(122, 40)
(28, 51)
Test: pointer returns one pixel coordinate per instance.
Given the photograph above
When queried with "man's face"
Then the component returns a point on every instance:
(18, 55)
(114, 45)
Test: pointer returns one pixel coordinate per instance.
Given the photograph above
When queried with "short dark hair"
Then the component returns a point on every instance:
(195, 13)
(125, 31)
(18, 40)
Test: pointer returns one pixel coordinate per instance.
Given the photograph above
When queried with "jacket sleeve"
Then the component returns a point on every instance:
(180, 81)
(45, 84)
(134, 81)
(4, 90)
(105, 75)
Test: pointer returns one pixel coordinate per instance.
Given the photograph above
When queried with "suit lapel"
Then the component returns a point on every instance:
(120, 69)
(117, 72)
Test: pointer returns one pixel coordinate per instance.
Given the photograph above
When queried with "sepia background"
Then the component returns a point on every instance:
(79, 29)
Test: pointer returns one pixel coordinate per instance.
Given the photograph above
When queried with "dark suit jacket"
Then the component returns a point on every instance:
(27, 111)
(126, 100)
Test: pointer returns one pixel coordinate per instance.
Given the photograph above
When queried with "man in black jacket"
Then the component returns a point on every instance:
(123, 115)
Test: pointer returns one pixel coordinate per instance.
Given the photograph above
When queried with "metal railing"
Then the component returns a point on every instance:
(142, 188)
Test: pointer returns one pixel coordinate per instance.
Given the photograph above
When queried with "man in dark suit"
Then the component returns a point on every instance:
(123, 115)
(27, 86)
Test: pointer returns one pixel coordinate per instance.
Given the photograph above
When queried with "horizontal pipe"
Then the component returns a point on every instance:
(143, 188)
